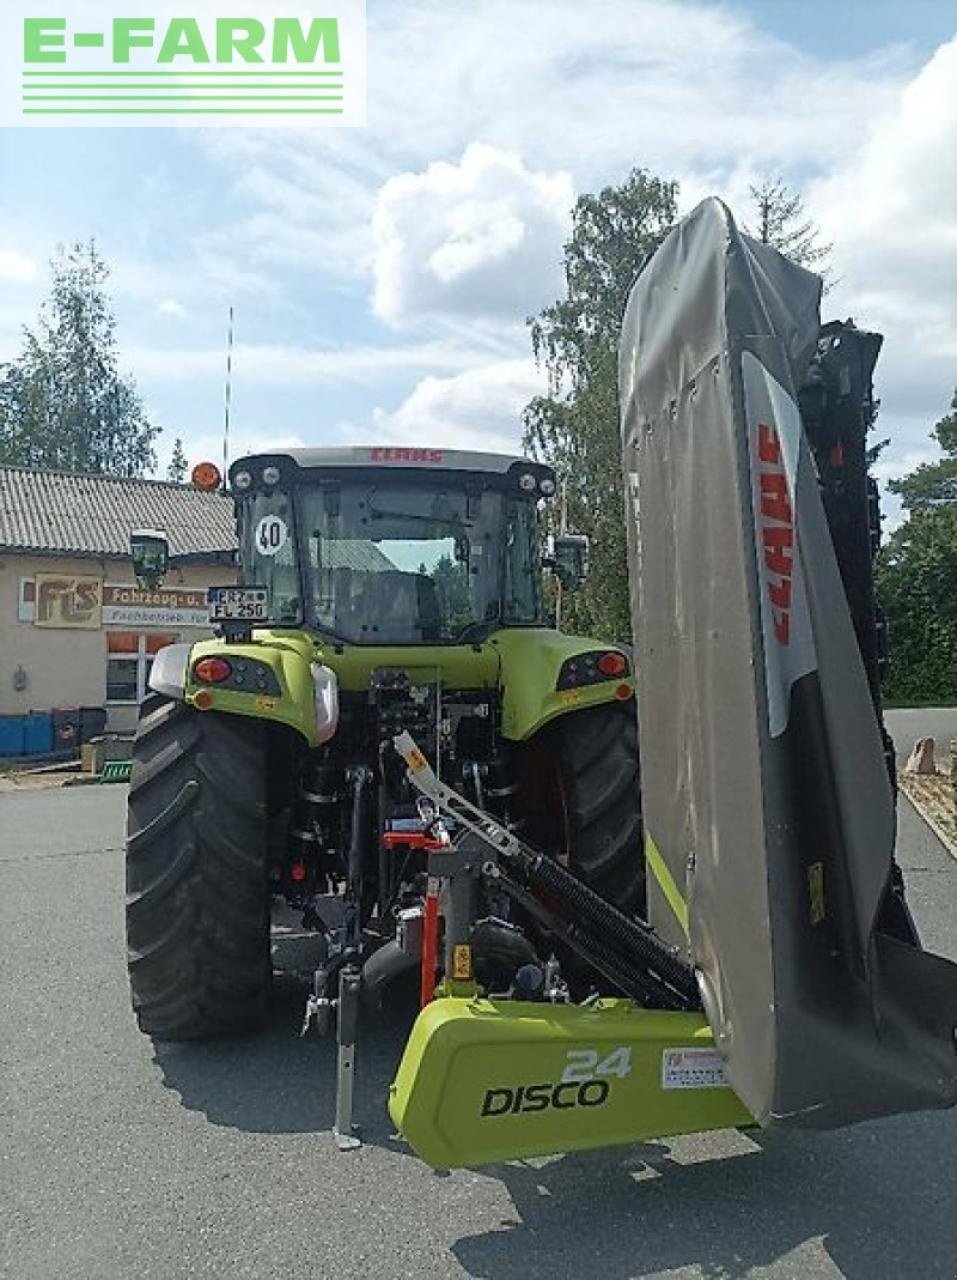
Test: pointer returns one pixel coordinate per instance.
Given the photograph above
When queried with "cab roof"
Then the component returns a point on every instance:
(396, 456)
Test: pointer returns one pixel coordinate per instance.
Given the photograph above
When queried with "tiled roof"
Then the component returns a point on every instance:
(55, 511)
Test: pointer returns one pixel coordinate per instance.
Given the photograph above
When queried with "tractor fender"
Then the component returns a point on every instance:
(326, 699)
(276, 677)
(534, 691)
(169, 671)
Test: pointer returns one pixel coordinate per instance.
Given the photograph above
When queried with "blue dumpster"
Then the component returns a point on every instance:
(12, 735)
(37, 733)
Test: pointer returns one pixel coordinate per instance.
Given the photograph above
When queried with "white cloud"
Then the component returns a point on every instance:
(207, 273)
(887, 469)
(599, 87)
(468, 235)
(287, 365)
(684, 89)
(295, 198)
(888, 204)
(16, 266)
(892, 215)
(695, 91)
(480, 237)
(892, 212)
(202, 445)
(479, 408)
(170, 307)
(249, 440)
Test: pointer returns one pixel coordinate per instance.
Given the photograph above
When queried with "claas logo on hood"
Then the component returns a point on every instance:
(405, 455)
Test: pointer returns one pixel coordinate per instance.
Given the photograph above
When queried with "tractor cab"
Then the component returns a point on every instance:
(377, 546)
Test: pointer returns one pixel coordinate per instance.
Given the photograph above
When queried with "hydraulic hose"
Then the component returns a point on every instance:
(630, 979)
(627, 937)
(627, 948)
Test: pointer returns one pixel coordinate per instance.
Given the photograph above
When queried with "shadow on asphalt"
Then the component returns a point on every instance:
(882, 1206)
(878, 1196)
(275, 1082)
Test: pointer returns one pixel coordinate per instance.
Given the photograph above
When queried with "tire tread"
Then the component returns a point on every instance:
(597, 754)
(197, 907)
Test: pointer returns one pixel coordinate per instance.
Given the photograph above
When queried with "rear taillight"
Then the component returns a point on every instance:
(612, 664)
(593, 668)
(212, 670)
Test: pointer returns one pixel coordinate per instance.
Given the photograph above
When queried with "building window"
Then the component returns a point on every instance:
(27, 600)
(129, 657)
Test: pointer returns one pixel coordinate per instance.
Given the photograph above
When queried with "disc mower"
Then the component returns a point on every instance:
(387, 744)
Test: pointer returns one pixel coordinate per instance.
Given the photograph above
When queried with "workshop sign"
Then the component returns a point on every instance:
(70, 600)
(255, 63)
(67, 601)
(130, 606)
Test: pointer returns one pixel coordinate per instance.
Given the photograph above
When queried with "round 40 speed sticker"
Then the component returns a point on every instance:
(271, 535)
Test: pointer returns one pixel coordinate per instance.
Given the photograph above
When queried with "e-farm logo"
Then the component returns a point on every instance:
(100, 64)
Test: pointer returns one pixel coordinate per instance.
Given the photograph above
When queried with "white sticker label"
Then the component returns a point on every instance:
(692, 1069)
(271, 535)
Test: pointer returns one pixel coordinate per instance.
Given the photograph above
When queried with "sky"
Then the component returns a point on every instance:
(382, 276)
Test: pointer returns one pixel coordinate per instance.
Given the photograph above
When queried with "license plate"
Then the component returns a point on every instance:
(237, 604)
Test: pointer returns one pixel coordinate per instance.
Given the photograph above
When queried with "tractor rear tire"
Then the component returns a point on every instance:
(197, 893)
(595, 809)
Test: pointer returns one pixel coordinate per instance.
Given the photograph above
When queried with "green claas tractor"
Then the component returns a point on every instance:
(380, 589)
(386, 741)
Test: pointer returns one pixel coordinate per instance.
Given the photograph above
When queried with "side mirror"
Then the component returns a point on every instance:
(150, 551)
(569, 559)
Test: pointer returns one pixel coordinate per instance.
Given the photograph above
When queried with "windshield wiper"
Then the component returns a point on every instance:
(328, 631)
(382, 513)
(479, 630)
(476, 632)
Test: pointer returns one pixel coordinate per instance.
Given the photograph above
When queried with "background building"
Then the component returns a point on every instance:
(75, 630)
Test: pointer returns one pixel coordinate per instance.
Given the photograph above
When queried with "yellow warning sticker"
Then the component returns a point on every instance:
(416, 760)
(265, 704)
(462, 962)
(569, 696)
(815, 888)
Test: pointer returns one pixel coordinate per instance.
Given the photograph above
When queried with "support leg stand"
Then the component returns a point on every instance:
(350, 979)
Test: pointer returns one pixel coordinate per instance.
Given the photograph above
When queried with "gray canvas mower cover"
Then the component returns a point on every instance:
(768, 806)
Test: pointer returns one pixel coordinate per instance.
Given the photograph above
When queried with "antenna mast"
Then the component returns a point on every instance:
(229, 394)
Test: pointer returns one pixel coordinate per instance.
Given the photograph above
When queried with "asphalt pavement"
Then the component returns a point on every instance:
(118, 1159)
(910, 723)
